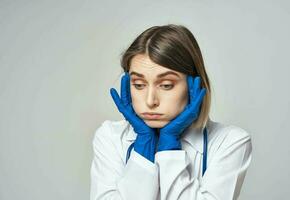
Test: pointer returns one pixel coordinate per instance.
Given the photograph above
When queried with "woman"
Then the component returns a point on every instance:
(167, 147)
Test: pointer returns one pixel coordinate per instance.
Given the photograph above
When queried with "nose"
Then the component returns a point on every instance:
(152, 99)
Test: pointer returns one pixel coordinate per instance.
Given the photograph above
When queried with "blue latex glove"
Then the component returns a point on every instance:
(146, 139)
(171, 132)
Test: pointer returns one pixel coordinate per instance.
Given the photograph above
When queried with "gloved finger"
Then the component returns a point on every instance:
(190, 88)
(117, 100)
(196, 86)
(183, 116)
(179, 123)
(199, 98)
(193, 87)
(124, 89)
(128, 88)
(126, 111)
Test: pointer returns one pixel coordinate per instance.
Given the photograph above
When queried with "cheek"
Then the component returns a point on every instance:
(184, 98)
(176, 101)
(177, 97)
(137, 100)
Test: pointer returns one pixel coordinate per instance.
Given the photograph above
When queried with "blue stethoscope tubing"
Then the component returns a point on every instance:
(204, 159)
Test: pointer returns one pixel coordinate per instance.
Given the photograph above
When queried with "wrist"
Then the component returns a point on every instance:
(145, 145)
(168, 142)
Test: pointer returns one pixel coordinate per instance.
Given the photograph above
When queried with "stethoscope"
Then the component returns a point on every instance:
(204, 159)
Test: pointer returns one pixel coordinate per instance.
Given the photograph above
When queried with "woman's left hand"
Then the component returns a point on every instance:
(170, 133)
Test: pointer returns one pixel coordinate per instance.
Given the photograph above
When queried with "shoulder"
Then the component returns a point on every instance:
(109, 139)
(112, 130)
(107, 144)
(226, 136)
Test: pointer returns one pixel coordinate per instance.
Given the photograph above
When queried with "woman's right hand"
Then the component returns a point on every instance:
(146, 136)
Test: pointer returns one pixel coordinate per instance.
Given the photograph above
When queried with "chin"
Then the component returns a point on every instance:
(155, 123)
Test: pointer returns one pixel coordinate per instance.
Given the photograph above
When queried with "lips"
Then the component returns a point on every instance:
(151, 115)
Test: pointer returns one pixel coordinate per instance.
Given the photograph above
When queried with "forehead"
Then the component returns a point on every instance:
(143, 65)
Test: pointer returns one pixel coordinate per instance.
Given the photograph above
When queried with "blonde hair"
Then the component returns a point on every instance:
(174, 47)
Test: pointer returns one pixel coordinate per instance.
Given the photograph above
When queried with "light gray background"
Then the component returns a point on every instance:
(58, 60)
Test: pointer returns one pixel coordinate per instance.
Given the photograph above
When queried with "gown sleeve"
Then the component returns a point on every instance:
(223, 178)
(112, 179)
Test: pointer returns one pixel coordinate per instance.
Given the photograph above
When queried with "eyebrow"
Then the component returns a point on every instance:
(158, 76)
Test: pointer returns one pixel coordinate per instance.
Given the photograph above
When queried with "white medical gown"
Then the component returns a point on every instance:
(176, 174)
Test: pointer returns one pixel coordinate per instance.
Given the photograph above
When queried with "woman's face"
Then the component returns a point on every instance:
(156, 89)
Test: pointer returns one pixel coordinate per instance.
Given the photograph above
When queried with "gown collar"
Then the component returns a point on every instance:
(191, 135)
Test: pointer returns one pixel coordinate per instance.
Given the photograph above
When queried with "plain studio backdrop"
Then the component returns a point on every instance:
(58, 60)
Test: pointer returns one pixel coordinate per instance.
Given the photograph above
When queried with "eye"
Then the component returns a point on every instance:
(138, 86)
(168, 86)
